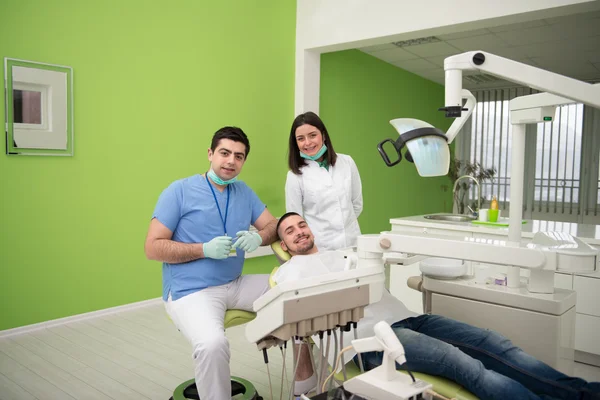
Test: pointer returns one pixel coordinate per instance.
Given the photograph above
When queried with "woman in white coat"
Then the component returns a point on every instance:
(322, 186)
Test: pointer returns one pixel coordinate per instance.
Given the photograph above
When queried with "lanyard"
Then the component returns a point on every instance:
(224, 220)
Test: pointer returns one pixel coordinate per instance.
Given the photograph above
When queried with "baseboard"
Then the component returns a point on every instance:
(587, 358)
(79, 317)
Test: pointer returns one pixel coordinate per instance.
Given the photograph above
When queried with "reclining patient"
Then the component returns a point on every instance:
(482, 361)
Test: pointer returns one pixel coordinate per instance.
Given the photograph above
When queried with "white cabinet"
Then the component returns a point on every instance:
(586, 334)
(588, 295)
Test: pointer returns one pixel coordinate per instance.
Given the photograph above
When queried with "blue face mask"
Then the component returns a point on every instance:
(316, 156)
(211, 174)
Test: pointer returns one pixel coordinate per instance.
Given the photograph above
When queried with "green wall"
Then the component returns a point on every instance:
(152, 82)
(360, 94)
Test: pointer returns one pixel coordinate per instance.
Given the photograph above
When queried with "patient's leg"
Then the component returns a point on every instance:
(435, 357)
(499, 354)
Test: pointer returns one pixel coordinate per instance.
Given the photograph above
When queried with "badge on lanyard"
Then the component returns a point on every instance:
(223, 220)
(232, 252)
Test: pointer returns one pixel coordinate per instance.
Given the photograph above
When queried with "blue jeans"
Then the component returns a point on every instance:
(482, 361)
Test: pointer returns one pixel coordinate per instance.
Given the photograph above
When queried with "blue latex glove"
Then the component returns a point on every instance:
(217, 248)
(247, 241)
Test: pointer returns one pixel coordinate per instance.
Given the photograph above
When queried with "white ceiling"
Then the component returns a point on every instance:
(567, 45)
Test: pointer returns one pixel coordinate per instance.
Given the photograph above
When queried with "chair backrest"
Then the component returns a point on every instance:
(282, 255)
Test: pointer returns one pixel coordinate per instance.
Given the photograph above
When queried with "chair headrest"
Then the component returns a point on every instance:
(282, 255)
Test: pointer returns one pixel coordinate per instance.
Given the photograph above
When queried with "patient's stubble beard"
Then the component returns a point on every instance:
(304, 248)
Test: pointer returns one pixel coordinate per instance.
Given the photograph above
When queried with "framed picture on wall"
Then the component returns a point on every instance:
(39, 108)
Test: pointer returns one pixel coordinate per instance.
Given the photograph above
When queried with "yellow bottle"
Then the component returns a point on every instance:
(494, 205)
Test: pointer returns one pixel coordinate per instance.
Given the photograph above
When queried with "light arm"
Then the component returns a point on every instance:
(513, 71)
(460, 122)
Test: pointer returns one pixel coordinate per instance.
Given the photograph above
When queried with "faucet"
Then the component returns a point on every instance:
(478, 191)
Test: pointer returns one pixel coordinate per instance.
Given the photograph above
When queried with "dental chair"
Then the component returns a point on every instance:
(239, 386)
(441, 385)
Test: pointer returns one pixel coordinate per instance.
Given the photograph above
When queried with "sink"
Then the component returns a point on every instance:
(451, 217)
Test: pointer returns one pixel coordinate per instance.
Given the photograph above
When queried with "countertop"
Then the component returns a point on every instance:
(587, 233)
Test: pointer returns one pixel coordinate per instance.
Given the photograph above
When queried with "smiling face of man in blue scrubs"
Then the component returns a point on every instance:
(228, 158)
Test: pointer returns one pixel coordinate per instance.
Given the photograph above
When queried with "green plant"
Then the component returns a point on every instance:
(459, 168)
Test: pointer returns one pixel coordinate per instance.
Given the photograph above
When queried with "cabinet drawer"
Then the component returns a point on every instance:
(588, 295)
(586, 333)
(563, 281)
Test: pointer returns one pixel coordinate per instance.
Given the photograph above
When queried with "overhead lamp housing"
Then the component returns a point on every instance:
(427, 147)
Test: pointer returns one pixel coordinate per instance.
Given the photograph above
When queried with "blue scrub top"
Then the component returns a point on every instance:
(187, 207)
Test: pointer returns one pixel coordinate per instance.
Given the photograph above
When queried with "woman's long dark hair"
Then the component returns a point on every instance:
(295, 162)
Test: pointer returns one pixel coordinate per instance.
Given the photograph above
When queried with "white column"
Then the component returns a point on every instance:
(308, 81)
(517, 175)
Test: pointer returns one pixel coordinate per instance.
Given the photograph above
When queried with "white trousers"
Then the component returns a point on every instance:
(200, 317)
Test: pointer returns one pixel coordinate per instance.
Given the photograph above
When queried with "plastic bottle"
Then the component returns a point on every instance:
(494, 204)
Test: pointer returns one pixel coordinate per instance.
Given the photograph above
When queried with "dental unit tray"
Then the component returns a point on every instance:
(304, 307)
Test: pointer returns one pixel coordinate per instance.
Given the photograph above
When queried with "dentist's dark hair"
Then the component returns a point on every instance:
(295, 162)
(232, 133)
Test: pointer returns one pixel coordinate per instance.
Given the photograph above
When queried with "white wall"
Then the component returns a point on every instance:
(332, 25)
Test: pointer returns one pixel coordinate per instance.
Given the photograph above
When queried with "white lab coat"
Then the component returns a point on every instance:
(330, 201)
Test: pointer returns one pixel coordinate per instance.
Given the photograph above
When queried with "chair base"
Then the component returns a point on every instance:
(187, 390)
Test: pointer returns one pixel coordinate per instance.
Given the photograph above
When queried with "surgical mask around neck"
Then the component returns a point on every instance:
(215, 178)
(316, 156)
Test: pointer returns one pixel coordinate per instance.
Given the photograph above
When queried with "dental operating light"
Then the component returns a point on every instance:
(426, 146)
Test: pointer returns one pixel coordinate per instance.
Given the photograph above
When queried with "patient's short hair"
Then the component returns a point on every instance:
(283, 217)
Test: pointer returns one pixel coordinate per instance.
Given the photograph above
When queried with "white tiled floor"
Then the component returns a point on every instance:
(135, 354)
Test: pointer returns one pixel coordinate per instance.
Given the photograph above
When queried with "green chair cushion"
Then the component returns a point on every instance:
(237, 317)
(282, 255)
(443, 386)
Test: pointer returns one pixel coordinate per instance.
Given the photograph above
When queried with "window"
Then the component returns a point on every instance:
(558, 156)
(558, 161)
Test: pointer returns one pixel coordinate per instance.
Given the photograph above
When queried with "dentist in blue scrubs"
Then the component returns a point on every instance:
(200, 232)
